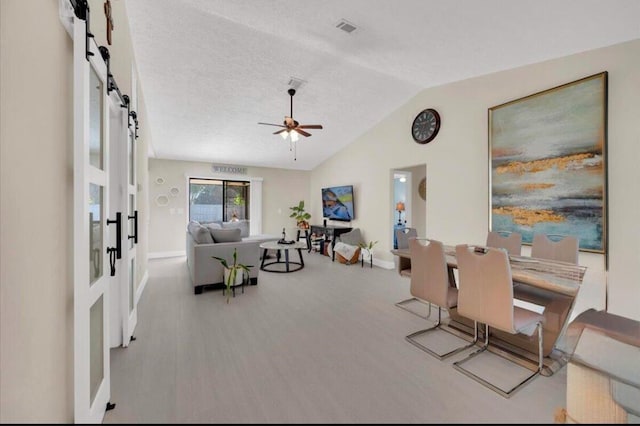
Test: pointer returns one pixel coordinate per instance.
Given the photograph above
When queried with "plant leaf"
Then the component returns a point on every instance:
(245, 267)
(222, 260)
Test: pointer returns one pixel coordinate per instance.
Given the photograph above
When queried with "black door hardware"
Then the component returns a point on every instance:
(135, 227)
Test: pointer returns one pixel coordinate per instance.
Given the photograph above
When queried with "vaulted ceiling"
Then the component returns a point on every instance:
(212, 69)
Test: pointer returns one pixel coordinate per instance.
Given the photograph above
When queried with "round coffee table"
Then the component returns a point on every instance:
(289, 265)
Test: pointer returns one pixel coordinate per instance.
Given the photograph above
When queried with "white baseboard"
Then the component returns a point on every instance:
(163, 254)
(143, 284)
(384, 263)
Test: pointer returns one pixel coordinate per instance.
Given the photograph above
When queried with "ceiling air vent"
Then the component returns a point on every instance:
(346, 26)
(295, 82)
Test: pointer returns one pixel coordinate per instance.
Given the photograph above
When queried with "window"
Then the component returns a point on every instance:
(215, 200)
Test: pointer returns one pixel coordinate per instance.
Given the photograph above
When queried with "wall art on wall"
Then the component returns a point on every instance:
(162, 200)
(547, 160)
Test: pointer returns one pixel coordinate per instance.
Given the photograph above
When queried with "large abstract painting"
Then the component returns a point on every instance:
(548, 163)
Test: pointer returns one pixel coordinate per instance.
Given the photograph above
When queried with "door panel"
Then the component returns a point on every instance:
(91, 186)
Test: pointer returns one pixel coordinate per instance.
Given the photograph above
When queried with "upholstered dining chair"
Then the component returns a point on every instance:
(555, 247)
(511, 241)
(430, 284)
(402, 239)
(486, 296)
(403, 235)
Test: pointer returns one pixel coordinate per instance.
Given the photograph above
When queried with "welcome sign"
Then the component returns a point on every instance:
(229, 169)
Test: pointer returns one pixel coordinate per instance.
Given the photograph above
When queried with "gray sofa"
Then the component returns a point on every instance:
(220, 239)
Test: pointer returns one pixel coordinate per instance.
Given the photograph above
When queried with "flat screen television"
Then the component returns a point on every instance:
(337, 203)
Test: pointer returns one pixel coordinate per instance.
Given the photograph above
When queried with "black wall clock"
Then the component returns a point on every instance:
(425, 126)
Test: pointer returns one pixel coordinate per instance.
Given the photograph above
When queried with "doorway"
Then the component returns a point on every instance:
(409, 200)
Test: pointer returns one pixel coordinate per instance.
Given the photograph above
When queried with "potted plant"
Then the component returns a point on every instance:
(231, 276)
(300, 215)
(366, 250)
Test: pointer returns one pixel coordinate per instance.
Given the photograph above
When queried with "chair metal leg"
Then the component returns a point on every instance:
(411, 339)
(413, 299)
(504, 393)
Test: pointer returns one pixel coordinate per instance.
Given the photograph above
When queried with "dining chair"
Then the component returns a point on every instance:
(555, 247)
(512, 241)
(430, 284)
(486, 297)
(403, 235)
(402, 238)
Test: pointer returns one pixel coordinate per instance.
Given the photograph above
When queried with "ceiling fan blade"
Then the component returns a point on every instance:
(310, 126)
(280, 131)
(271, 124)
(302, 132)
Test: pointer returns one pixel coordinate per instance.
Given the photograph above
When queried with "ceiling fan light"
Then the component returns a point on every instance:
(284, 134)
(294, 136)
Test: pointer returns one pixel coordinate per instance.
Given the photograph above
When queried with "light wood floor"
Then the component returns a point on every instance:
(322, 345)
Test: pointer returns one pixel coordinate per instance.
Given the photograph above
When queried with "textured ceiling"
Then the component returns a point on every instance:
(212, 69)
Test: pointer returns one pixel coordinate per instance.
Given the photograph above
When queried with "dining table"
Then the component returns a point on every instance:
(547, 286)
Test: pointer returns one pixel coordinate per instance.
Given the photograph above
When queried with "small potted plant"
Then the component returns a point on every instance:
(231, 276)
(300, 215)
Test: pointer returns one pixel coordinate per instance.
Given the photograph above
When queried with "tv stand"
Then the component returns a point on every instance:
(330, 232)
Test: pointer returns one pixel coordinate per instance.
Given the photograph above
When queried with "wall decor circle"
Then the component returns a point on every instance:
(162, 200)
(174, 191)
(160, 180)
(422, 189)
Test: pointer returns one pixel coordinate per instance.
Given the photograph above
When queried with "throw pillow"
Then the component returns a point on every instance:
(201, 235)
(191, 227)
(213, 225)
(226, 235)
(243, 225)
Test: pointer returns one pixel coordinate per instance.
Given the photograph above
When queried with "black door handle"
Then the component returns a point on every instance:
(135, 227)
(118, 223)
(115, 252)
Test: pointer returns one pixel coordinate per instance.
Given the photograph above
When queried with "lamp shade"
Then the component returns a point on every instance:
(400, 206)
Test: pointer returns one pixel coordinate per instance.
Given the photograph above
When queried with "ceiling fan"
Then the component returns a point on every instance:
(291, 126)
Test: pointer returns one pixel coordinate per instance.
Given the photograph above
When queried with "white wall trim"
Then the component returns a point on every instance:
(163, 254)
(255, 209)
(386, 264)
(143, 284)
(66, 14)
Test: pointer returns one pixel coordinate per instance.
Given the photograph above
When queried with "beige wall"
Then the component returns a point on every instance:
(36, 289)
(281, 189)
(457, 164)
(142, 171)
(36, 205)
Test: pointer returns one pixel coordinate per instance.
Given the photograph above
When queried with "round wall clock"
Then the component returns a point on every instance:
(425, 126)
(422, 189)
